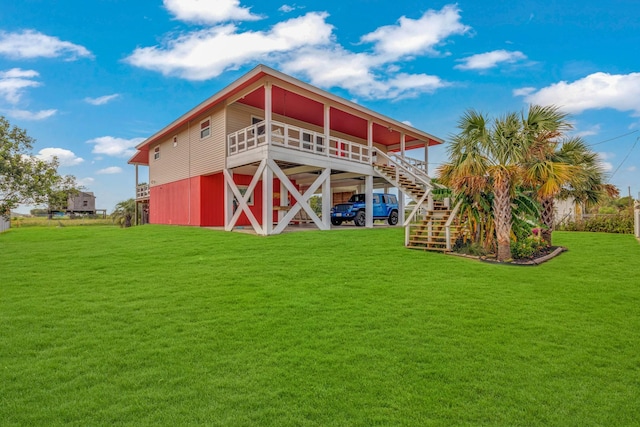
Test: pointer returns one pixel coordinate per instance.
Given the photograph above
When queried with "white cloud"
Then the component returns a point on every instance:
(65, 157)
(287, 8)
(593, 130)
(307, 46)
(101, 100)
(417, 36)
(209, 11)
(596, 91)
(632, 169)
(31, 115)
(13, 82)
(525, 91)
(110, 170)
(207, 53)
(33, 44)
(484, 61)
(85, 182)
(356, 73)
(112, 146)
(602, 159)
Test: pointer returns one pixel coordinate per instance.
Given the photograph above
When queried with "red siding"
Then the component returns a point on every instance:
(212, 197)
(169, 203)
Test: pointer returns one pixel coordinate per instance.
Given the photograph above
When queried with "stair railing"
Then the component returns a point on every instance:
(401, 164)
(407, 223)
(447, 225)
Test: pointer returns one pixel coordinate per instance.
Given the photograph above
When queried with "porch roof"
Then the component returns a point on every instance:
(299, 100)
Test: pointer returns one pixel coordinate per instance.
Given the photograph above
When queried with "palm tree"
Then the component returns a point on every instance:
(123, 212)
(557, 166)
(546, 172)
(490, 156)
(484, 157)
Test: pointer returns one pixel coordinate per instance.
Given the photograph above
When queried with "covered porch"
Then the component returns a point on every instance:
(309, 145)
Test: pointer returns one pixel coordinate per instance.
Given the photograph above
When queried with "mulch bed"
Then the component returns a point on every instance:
(537, 259)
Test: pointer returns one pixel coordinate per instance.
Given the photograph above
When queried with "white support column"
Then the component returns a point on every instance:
(228, 200)
(267, 111)
(135, 213)
(243, 200)
(369, 201)
(327, 128)
(284, 200)
(426, 157)
(369, 182)
(302, 200)
(326, 203)
(267, 201)
(401, 201)
(370, 140)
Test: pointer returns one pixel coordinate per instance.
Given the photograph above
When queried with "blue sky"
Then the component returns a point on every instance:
(90, 79)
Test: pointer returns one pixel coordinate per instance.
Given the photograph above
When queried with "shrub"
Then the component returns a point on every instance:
(528, 247)
(469, 248)
(622, 224)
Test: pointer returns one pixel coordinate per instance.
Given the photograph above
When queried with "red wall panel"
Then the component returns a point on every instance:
(199, 201)
(175, 203)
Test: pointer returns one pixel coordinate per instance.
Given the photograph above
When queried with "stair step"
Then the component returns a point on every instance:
(426, 248)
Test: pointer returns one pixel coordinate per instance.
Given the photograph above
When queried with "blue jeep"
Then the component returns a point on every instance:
(385, 206)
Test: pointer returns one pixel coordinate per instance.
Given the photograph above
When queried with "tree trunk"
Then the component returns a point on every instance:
(547, 219)
(502, 217)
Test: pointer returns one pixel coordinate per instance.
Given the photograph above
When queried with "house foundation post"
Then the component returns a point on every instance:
(229, 205)
(369, 181)
(369, 201)
(326, 203)
(426, 157)
(401, 204)
(267, 201)
(135, 209)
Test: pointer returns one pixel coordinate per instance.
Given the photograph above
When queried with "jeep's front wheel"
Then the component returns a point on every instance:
(360, 219)
(336, 221)
(393, 218)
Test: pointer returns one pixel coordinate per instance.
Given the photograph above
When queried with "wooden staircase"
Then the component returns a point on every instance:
(410, 177)
(429, 234)
(403, 182)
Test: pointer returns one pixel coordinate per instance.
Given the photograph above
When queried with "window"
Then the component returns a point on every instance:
(243, 190)
(85, 203)
(156, 153)
(255, 120)
(390, 199)
(205, 128)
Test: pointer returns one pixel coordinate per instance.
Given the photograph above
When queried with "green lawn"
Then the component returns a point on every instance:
(169, 325)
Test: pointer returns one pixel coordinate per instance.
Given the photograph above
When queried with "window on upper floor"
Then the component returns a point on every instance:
(255, 120)
(156, 153)
(205, 128)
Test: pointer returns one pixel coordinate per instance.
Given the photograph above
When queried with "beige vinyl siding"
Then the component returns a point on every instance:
(208, 154)
(173, 164)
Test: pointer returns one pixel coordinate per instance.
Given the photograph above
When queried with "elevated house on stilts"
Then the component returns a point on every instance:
(255, 153)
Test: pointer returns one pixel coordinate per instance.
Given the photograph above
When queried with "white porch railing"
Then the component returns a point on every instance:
(412, 169)
(142, 191)
(296, 138)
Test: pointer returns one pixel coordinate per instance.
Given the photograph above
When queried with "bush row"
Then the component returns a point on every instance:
(622, 224)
